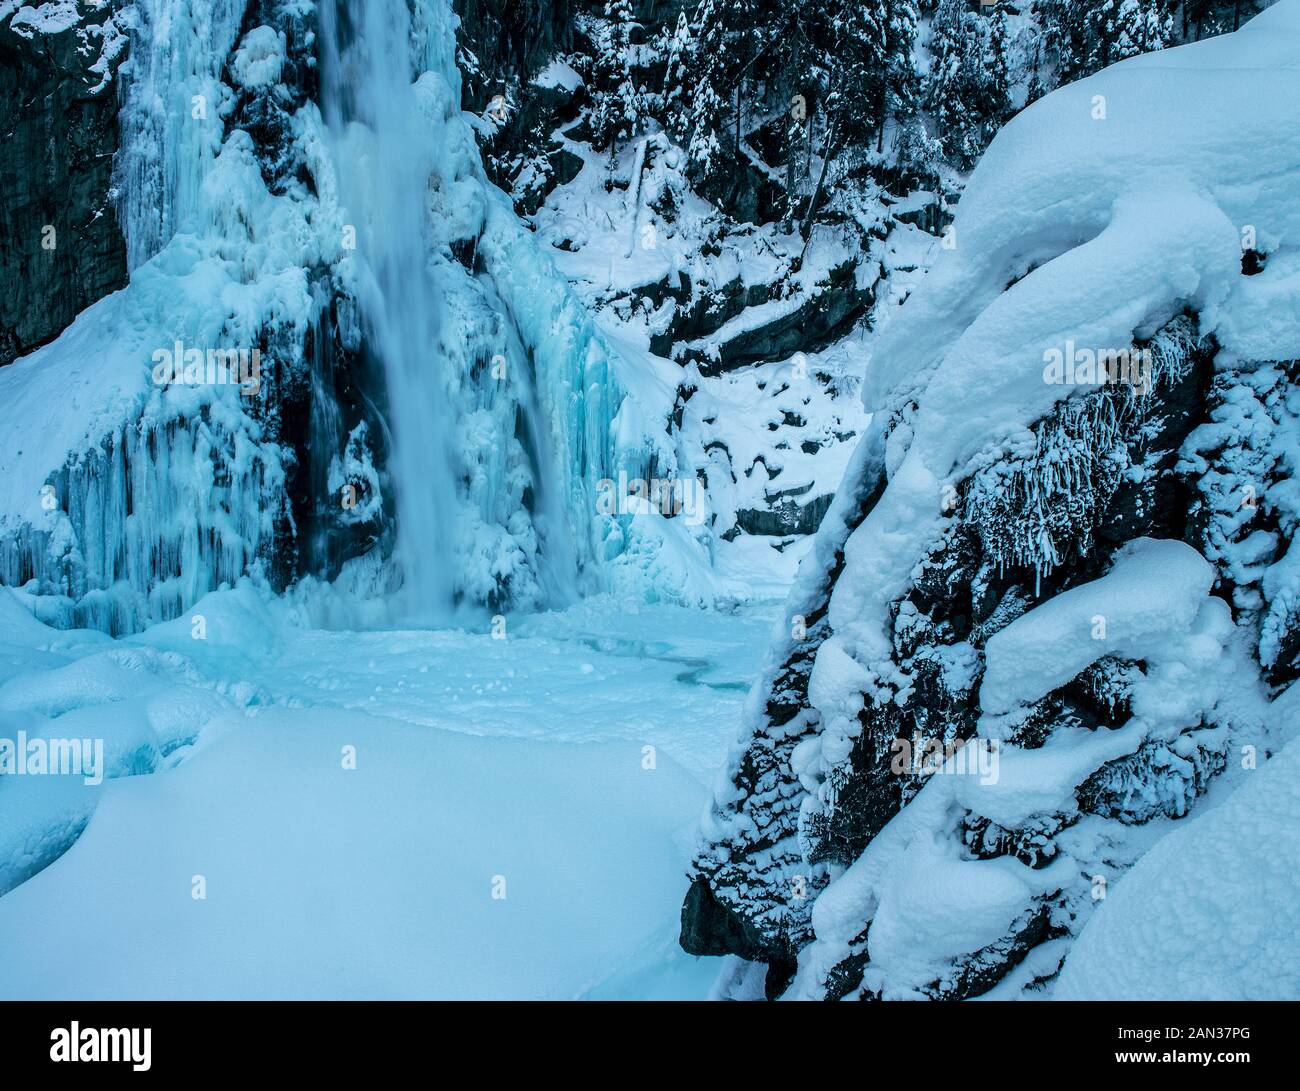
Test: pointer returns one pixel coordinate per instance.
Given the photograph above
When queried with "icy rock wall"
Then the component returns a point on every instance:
(997, 525)
(145, 460)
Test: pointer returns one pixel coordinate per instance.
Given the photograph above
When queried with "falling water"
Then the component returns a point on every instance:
(384, 156)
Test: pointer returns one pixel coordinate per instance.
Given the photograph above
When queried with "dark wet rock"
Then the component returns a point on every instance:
(63, 247)
(785, 516)
(829, 311)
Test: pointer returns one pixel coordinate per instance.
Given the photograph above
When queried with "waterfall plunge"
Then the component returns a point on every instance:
(384, 154)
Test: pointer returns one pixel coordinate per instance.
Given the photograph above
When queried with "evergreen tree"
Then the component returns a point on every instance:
(618, 106)
(680, 51)
(953, 90)
(1125, 28)
(1105, 30)
(900, 79)
(1196, 12)
(1141, 26)
(919, 155)
(1065, 37)
(996, 102)
(704, 86)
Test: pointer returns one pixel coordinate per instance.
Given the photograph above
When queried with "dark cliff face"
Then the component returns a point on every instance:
(508, 40)
(63, 248)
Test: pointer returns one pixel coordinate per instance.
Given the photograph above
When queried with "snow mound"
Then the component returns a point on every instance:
(48, 18)
(259, 59)
(1154, 590)
(1210, 912)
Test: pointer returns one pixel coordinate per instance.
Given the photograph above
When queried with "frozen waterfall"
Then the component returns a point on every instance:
(309, 188)
(384, 154)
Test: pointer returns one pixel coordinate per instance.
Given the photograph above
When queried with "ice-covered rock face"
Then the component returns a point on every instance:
(307, 375)
(259, 60)
(1101, 358)
(149, 455)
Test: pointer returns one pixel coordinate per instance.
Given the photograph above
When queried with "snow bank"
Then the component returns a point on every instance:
(1210, 912)
(498, 857)
(569, 758)
(301, 856)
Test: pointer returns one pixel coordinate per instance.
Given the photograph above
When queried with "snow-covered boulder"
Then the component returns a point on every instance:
(1061, 549)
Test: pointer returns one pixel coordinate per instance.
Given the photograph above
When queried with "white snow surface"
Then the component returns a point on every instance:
(557, 74)
(570, 759)
(1210, 912)
(52, 17)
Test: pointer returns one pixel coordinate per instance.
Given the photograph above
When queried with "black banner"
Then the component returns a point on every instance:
(338, 1039)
